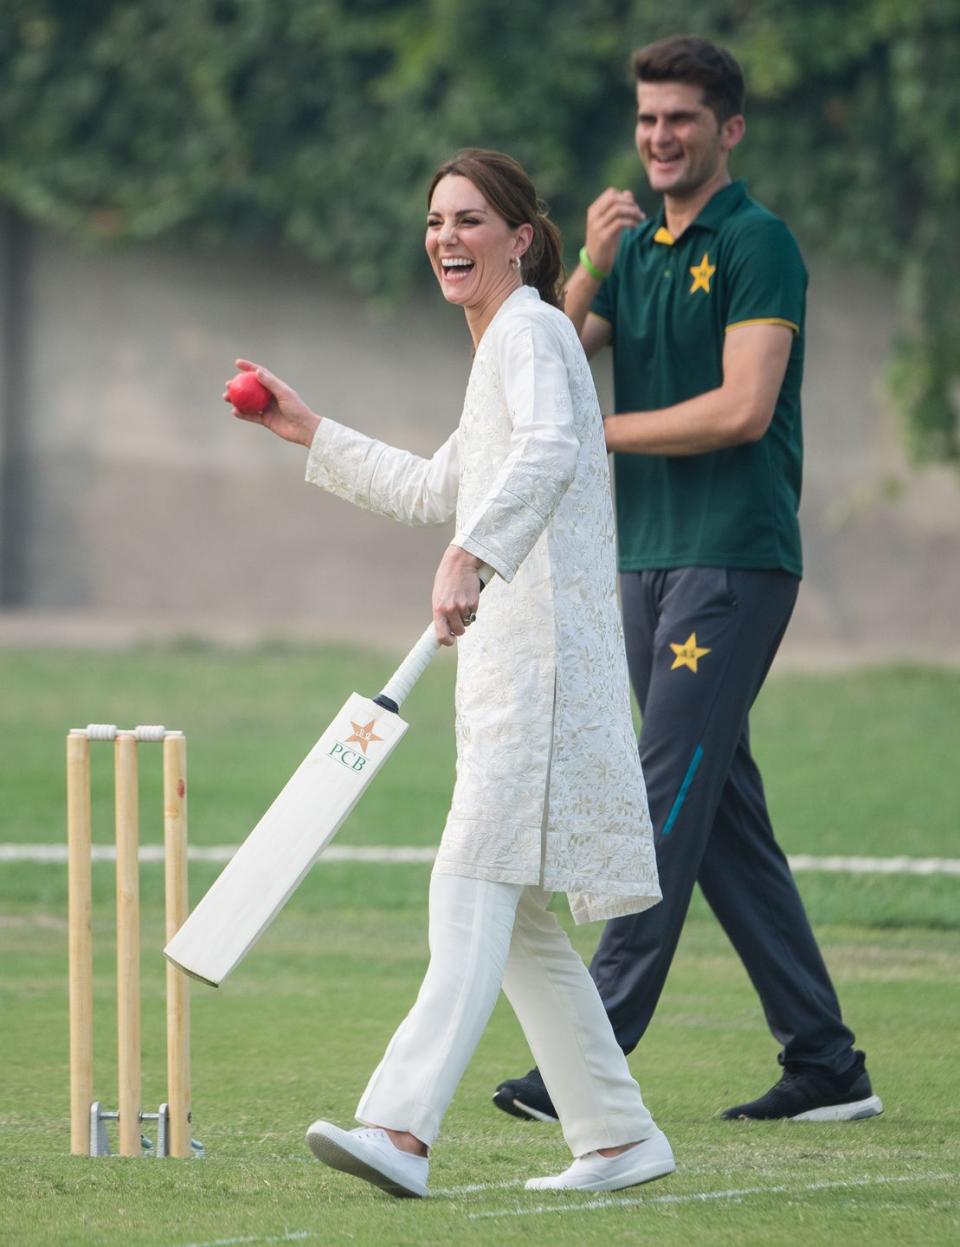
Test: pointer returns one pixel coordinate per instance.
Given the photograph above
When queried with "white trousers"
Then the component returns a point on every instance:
(484, 936)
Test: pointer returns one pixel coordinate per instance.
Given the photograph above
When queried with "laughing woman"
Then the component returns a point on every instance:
(549, 794)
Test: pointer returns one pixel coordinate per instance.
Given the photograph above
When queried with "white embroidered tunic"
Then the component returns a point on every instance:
(549, 788)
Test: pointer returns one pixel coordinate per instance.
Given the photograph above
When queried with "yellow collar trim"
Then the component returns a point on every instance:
(663, 235)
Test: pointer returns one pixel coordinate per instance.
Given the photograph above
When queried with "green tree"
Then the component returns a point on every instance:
(858, 117)
(319, 122)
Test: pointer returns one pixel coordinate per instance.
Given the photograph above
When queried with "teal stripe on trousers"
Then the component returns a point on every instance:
(684, 789)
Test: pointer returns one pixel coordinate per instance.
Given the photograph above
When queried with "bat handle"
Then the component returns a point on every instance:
(398, 688)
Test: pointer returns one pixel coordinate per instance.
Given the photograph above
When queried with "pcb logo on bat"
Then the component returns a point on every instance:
(355, 759)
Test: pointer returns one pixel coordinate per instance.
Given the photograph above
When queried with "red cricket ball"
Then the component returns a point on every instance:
(247, 394)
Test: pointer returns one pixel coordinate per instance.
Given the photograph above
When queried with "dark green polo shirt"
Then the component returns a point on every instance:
(671, 303)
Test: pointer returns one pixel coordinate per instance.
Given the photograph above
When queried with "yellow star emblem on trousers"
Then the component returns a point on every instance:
(701, 274)
(688, 654)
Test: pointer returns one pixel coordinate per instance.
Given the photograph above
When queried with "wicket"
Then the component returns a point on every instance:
(88, 1134)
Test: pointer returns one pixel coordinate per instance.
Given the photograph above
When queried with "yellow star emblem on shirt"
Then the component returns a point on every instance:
(701, 274)
(362, 734)
(688, 654)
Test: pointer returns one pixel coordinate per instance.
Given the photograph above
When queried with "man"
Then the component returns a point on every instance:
(704, 306)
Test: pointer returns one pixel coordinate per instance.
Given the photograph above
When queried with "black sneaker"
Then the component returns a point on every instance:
(806, 1093)
(526, 1097)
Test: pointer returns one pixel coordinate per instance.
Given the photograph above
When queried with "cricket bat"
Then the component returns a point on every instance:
(267, 868)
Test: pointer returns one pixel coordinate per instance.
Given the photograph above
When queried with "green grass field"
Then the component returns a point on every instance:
(863, 763)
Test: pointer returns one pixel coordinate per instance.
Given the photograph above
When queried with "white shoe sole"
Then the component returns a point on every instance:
(335, 1148)
(658, 1166)
(534, 1113)
(857, 1111)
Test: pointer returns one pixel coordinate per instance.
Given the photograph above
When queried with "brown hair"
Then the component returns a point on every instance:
(687, 58)
(508, 190)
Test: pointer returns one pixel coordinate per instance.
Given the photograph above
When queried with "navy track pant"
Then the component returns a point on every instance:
(700, 641)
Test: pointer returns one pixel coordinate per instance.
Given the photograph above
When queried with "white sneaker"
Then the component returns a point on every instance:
(652, 1158)
(368, 1153)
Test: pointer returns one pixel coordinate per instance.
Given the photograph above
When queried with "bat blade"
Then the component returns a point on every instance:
(271, 862)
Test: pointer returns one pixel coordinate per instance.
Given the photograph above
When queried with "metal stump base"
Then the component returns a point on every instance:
(100, 1142)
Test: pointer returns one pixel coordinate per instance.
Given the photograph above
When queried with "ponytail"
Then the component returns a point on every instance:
(542, 262)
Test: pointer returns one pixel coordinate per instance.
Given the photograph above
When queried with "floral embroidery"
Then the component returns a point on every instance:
(549, 787)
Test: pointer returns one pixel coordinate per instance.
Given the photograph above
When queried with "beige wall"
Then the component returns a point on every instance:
(151, 507)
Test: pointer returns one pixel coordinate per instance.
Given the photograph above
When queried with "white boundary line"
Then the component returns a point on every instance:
(695, 1197)
(288, 1236)
(473, 1188)
(699, 1197)
(56, 854)
(877, 865)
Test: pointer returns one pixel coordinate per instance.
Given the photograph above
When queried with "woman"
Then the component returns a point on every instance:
(549, 794)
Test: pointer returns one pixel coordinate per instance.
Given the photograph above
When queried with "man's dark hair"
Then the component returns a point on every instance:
(687, 58)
